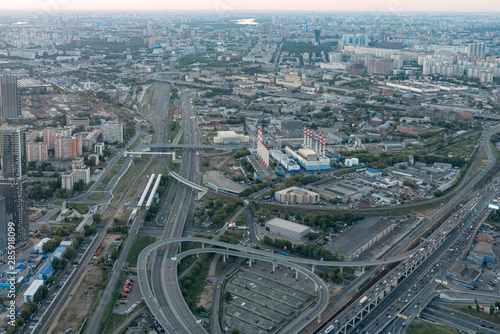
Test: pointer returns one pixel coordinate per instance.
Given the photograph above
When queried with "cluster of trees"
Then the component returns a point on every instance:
(248, 166)
(89, 230)
(229, 239)
(187, 285)
(256, 187)
(39, 191)
(315, 252)
(25, 315)
(299, 180)
(221, 213)
(335, 275)
(72, 250)
(51, 245)
(329, 220)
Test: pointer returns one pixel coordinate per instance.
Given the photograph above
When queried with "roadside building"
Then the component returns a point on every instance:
(465, 274)
(296, 195)
(287, 229)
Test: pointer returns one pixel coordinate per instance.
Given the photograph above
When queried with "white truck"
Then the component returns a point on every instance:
(363, 300)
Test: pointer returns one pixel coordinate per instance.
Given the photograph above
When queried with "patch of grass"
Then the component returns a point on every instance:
(172, 165)
(473, 312)
(181, 140)
(418, 326)
(54, 216)
(109, 176)
(140, 242)
(112, 302)
(136, 143)
(95, 197)
(114, 321)
(80, 207)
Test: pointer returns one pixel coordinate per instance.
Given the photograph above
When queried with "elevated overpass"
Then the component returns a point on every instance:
(183, 313)
(279, 257)
(193, 185)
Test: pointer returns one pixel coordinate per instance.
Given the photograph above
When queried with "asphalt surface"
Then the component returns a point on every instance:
(95, 320)
(418, 287)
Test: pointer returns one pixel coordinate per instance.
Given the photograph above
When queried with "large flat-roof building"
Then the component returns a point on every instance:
(482, 254)
(216, 181)
(344, 191)
(230, 137)
(296, 195)
(359, 238)
(465, 274)
(287, 229)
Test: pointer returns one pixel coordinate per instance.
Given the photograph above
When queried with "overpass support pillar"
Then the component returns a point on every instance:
(274, 267)
(315, 288)
(224, 258)
(319, 319)
(296, 274)
(362, 270)
(202, 245)
(173, 155)
(341, 269)
(312, 269)
(250, 261)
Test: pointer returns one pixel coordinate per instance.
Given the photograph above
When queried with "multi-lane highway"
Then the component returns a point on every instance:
(173, 315)
(416, 290)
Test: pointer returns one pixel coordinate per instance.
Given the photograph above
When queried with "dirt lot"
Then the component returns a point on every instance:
(206, 296)
(77, 306)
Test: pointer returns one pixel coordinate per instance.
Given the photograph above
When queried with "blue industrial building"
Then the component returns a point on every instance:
(46, 271)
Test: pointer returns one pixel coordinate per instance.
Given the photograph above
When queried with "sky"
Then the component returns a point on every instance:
(390, 6)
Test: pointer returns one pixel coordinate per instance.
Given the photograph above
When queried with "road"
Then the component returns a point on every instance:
(439, 313)
(418, 287)
(174, 315)
(95, 320)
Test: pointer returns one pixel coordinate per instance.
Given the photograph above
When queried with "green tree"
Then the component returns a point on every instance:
(96, 217)
(58, 264)
(36, 192)
(228, 296)
(40, 294)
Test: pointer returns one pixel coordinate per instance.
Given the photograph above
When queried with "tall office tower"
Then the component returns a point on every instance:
(15, 192)
(317, 34)
(3, 227)
(13, 152)
(10, 106)
(13, 182)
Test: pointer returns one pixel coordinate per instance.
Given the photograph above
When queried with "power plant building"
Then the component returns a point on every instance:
(287, 229)
(309, 159)
(284, 160)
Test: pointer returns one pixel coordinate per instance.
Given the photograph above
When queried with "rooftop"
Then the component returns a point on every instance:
(282, 223)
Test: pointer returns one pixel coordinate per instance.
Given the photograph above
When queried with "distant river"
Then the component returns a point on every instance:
(245, 21)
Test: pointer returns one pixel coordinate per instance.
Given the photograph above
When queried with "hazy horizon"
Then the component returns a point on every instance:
(390, 6)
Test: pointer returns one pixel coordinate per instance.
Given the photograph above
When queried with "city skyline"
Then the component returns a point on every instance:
(230, 5)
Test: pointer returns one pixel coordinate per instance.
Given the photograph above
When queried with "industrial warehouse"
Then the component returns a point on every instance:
(287, 229)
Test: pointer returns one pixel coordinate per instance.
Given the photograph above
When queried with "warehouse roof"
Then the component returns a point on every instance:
(282, 223)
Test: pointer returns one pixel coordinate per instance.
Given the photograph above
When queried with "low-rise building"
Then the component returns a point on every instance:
(295, 195)
(287, 229)
(32, 289)
(230, 137)
(465, 274)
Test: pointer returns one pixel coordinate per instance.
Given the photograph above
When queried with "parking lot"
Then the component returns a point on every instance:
(263, 300)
